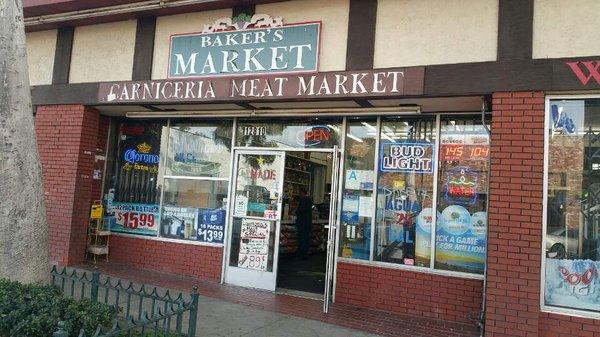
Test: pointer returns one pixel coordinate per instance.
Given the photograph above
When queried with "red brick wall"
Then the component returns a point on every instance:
(515, 224)
(515, 214)
(67, 141)
(407, 292)
(203, 262)
(553, 325)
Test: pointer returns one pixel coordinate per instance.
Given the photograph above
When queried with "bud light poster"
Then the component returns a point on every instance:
(460, 240)
(572, 284)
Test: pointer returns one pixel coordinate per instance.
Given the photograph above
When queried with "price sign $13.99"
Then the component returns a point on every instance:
(210, 233)
(134, 220)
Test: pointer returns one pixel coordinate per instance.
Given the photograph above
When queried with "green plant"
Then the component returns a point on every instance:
(35, 310)
(242, 17)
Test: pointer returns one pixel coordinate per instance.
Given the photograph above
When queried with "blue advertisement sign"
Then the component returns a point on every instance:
(407, 157)
(460, 239)
(211, 225)
(262, 49)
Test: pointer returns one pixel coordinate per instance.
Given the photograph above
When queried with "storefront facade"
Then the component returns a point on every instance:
(452, 178)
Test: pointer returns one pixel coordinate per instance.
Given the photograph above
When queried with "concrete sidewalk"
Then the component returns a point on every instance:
(227, 310)
(223, 319)
(218, 318)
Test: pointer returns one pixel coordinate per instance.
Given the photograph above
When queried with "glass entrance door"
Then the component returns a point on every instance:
(255, 219)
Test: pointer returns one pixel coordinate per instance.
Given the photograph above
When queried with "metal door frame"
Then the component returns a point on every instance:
(332, 227)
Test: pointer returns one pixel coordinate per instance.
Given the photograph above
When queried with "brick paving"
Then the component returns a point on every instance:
(367, 320)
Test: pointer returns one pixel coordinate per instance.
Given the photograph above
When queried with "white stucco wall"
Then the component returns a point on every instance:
(103, 52)
(334, 29)
(178, 24)
(41, 47)
(417, 32)
(566, 28)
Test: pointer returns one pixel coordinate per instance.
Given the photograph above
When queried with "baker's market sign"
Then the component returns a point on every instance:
(245, 45)
(257, 58)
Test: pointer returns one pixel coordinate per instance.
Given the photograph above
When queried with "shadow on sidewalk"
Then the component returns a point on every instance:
(227, 310)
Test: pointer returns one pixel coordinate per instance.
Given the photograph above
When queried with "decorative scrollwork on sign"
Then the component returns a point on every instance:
(243, 21)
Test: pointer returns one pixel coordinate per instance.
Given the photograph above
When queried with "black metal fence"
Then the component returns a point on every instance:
(139, 312)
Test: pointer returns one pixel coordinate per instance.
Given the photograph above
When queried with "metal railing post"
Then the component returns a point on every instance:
(193, 312)
(95, 285)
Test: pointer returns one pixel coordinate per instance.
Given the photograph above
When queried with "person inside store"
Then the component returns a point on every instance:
(304, 223)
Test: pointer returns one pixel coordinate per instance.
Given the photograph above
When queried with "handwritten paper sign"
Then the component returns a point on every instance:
(254, 244)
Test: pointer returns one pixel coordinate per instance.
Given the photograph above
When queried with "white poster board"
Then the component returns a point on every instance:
(254, 244)
(359, 180)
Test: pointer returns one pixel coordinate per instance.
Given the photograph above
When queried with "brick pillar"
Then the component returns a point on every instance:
(515, 214)
(69, 137)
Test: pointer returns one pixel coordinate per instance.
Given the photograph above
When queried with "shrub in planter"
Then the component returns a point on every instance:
(34, 310)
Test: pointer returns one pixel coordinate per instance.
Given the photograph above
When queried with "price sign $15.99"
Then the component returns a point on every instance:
(134, 220)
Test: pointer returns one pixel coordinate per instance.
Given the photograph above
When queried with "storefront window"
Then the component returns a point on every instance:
(306, 134)
(405, 191)
(196, 174)
(462, 195)
(132, 195)
(357, 193)
(573, 205)
(194, 210)
(199, 150)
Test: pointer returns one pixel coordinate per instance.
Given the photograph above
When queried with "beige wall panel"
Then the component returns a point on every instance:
(417, 32)
(40, 56)
(103, 52)
(178, 24)
(334, 29)
(566, 28)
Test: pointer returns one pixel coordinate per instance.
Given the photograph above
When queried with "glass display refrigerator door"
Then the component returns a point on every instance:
(255, 218)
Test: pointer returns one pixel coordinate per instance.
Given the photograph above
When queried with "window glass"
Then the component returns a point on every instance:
(194, 210)
(573, 205)
(310, 133)
(462, 195)
(405, 190)
(200, 150)
(132, 196)
(357, 193)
